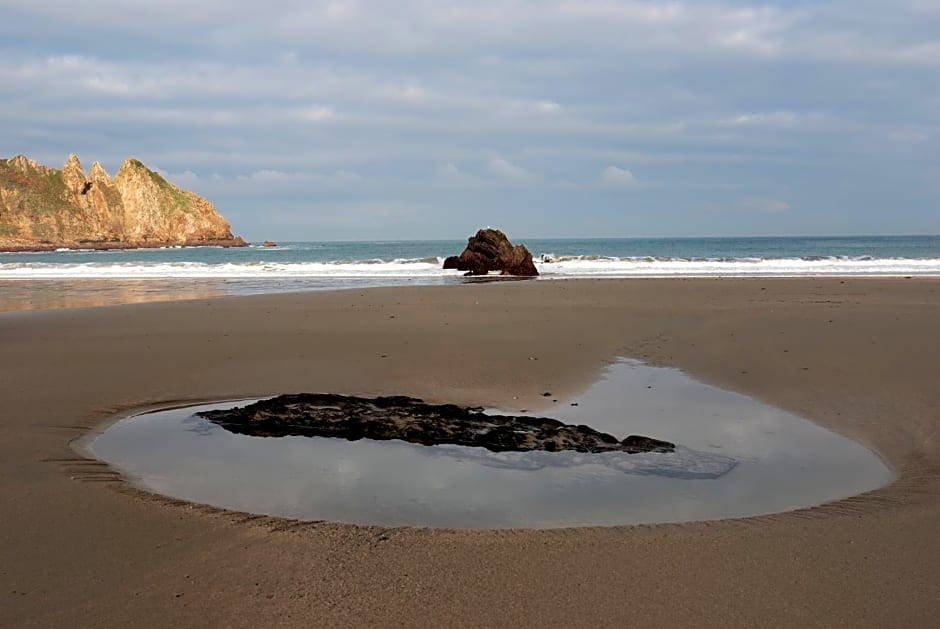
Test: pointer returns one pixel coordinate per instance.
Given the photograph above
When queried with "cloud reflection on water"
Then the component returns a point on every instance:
(737, 457)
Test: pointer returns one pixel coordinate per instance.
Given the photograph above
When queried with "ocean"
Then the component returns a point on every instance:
(62, 278)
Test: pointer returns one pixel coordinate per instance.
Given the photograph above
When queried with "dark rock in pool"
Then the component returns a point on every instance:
(490, 250)
(413, 420)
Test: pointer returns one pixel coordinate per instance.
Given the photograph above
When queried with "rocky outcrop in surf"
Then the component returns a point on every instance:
(44, 208)
(490, 250)
(413, 420)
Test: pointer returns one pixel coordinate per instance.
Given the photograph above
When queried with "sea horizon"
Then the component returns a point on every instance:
(520, 239)
(88, 277)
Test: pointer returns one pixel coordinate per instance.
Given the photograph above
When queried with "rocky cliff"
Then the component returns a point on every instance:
(44, 208)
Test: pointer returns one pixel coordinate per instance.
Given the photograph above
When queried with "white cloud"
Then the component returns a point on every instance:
(618, 177)
(407, 92)
(345, 176)
(764, 119)
(506, 169)
(525, 102)
(316, 113)
(760, 31)
(452, 175)
(184, 179)
(833, 29)
(267, 175)
(649, 13)
(548, 106)
(765, 205)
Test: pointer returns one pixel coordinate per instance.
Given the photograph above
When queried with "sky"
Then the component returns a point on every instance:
(427, 119)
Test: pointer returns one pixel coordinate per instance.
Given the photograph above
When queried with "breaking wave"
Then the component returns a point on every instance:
(549, 265)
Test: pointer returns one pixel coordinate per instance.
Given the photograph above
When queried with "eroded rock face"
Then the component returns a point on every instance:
(490, 250)
(42, 208)
(412, 420)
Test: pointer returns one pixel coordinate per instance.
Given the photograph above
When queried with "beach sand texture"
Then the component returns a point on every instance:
(79, 547)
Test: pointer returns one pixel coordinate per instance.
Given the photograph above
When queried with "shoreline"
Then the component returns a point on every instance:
(868, 348)
(37, 294)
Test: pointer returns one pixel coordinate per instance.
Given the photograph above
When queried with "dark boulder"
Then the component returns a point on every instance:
(639, 443)
(490, 250)
(415, 421)
(519, 262)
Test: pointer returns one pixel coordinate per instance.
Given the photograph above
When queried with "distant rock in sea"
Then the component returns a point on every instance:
(268, 243)
(490, 250)
(43, 208)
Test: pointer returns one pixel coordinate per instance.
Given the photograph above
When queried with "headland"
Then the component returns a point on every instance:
(44, 209)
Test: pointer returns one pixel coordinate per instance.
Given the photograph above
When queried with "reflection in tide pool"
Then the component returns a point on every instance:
(737, 457)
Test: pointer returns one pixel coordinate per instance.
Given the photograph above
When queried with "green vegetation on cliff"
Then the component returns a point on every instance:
(176, 199)
(41, 189)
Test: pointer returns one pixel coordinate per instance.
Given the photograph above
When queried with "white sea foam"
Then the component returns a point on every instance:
(549, 266)
(736, 267)
(241, 270)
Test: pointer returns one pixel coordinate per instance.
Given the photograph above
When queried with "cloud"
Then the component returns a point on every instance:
(184, 179)
(338, 176)
(408, 92)
(267, 175)
(527, 108)
(618, 177)
(316, 113)
(267, 181)
(451, 175)
(834, 29)
(767, 119)
(765, 205)
(548, 107)
(507, 170)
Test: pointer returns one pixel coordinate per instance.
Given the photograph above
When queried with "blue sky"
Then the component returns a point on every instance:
(430, 118)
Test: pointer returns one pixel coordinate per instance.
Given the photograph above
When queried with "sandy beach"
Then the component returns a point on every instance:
(80, 547)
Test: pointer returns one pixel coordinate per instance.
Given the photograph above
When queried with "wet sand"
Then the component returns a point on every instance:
(78, 547)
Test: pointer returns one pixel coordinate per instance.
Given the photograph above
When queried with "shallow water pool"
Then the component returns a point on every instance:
(734, 457)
